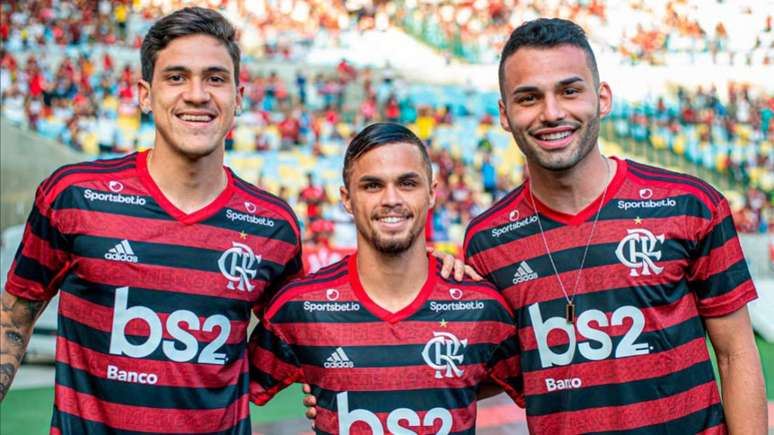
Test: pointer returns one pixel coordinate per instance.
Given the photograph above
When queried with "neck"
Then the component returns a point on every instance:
(572, 190)
(392, 281)
(189, 184)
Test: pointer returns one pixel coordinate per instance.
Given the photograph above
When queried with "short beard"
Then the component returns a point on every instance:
(393, 247)
(587, 143)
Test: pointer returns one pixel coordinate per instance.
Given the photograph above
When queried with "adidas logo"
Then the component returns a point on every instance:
(121, 252)
(338, 360)
(524, 273)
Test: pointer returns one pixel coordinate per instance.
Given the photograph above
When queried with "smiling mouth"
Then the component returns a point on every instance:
(196, 118)
(554, 136)
(392, 219)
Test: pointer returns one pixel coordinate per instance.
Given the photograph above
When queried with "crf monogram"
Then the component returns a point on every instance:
(638, 250)
(443, 353)
(239, 265)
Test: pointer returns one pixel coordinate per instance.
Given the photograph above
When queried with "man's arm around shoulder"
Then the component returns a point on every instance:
(741, 379)
(17, 316)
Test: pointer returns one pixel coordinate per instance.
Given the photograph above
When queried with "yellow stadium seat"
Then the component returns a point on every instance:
(425, 127)
(679, 145)
(89, 143)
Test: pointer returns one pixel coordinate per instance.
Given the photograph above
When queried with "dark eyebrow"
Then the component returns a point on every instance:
(185, 69)
(408, 176)
(561, 83)
(570, 80)
(369, 179)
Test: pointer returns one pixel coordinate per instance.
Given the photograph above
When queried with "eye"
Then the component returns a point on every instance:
(371, 186)
(526, 99)
(217, 79)
(571, 91)
(408, 183)
(175, 78)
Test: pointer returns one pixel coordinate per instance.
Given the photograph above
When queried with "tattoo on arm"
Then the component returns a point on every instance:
(17, 316)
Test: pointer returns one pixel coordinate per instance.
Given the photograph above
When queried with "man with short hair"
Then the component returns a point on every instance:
(160, 257)
(616, 270)
(387, 344)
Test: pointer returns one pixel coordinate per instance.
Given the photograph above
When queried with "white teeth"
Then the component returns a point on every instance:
(195, 118)
(391, 220)
(555, 136)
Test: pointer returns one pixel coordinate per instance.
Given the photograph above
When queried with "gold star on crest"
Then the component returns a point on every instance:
(243, 235)
(637, 220)
(443, 323)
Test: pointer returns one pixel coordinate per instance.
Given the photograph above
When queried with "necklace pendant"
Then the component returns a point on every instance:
(569, 312)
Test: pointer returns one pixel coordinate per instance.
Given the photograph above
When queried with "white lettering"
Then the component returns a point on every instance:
(331, 306)
(257, 220)
(666, 202)
(456, 306)
(114, 373)
(563, 384)
(626, 347)
(497, 232)
(122, 315)
(117, 198)
(347, 418)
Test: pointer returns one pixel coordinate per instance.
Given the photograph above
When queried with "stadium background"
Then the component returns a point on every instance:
(692, 91)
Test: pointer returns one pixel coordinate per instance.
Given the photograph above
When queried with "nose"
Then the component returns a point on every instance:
(197, 92)
(552, 109)
(391, 196)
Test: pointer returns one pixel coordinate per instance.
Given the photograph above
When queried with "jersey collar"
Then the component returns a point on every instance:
(590, 210)
(186, 218)
(382, 313)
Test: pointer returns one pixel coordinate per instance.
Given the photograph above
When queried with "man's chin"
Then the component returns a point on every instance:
(393, 247)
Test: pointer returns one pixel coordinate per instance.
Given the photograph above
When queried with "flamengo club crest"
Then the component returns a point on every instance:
(637, 251)
(443, 353)
(239, 265)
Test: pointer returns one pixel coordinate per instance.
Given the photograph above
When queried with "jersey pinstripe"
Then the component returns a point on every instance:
(664, 255)
(154, 302)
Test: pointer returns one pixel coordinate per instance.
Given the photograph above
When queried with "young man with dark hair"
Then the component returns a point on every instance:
(616, 270)
(160, 257)
(387, 344)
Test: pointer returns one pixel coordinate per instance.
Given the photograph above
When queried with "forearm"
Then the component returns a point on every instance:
(743, 391)
(17, 316)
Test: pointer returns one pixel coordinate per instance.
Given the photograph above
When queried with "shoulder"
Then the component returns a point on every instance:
(268, 203)
(318, 282)
(109, 170)
(502, 207)
(671, 183)
(468, 290)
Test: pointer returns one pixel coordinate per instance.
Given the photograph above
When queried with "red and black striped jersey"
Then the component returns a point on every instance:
(664, 255)
(415, 371)
(154, 303)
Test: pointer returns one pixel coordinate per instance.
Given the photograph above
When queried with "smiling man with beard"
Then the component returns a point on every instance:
(386, 343)
(616, 270)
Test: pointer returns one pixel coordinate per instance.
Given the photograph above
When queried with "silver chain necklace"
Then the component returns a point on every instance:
(569, 309)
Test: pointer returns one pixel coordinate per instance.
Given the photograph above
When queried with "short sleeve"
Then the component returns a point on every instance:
(292, 269)
(273, 365)
(718, 273)
(504, 368)
(43, 257)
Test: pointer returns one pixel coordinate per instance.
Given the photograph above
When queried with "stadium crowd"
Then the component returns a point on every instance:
(655, 32)
(303, 118)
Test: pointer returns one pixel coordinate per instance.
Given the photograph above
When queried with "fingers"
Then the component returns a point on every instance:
(472, 273)
(448, 262)
(307, 389)
(459, 270)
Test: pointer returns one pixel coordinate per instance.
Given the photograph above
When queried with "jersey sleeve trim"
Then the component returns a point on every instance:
(722, 305)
